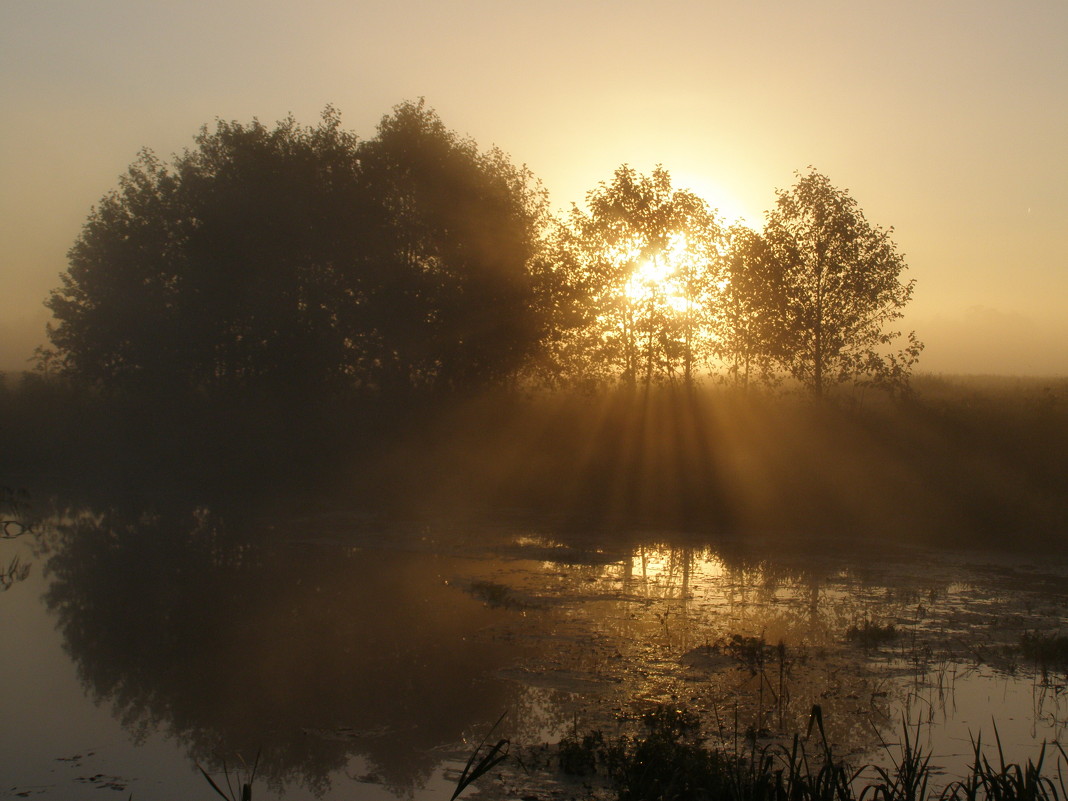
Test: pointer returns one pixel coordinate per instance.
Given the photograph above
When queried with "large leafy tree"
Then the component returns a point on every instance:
(449, 262)
(300, 257)
(221, 268)
(645, 258)
(841, 289)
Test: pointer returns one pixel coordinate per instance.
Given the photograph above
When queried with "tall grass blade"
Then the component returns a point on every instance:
(246, 786)
(474, 770)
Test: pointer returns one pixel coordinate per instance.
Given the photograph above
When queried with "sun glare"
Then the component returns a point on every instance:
(729, 209)
(659, 277)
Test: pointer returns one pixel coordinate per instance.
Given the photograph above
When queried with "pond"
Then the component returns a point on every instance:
(364, 658)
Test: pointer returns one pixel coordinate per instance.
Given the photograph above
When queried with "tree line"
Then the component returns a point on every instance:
(305, 259)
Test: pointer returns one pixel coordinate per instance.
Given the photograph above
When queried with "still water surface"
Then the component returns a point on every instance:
(364, 659)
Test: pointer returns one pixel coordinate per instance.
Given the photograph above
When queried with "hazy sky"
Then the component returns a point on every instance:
(946, 120)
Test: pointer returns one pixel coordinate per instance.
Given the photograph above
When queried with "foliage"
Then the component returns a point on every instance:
(453, 232)
(840, 289)
(869, 634)
(644, 259)
(218, 269)
(1048, 650)
(671, 761)
(750, 306)
(650, 287)
(299, 258)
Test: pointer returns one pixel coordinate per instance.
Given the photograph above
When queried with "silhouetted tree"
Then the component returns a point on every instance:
(645, 257)
(220, 269)
(841, 289)
(749, 306)
(300, 258)
(454, 232)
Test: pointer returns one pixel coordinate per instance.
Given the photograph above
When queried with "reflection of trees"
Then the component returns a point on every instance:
(700, 626)
(312, 655)
(320, 654)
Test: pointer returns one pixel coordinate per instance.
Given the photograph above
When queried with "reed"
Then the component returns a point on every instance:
(671, 762)
(245, 787)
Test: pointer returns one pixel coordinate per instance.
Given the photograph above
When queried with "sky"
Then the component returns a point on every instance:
(946, 120)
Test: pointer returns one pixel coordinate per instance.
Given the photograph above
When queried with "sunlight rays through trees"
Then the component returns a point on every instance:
(303, 259)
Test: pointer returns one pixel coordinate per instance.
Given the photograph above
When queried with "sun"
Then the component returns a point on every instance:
(659, 278)
(651, 274)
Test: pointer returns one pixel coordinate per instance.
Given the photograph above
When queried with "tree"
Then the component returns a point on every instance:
(449, 261)
(645, 258)
(298, 258)
(840, 289)
(748, 310)
(220, 269)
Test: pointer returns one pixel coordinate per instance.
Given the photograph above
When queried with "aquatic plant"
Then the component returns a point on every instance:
(1007, 781)
(496, 596)
(478, 766)
(869, 634)
(671, 762)
(14, 572)
(908, 780)
(245, 786)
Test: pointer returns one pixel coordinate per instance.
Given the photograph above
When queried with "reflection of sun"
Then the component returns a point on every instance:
(671, 569)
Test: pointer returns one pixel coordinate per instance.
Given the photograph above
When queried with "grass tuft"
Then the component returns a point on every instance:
(870, 634)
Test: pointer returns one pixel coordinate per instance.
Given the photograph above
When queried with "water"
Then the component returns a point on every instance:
(364, 659)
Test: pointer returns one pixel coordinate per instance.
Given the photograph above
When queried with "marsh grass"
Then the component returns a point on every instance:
(908, 780)
(672, 762)
(1008, 781)
(870, 635)
(480, 763)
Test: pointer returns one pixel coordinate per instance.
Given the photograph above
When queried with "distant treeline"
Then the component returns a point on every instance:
(306, 260)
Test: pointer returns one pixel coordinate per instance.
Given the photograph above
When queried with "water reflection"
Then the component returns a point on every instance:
(14, 525)
(310, 656)
(341, 648)
(746, 643)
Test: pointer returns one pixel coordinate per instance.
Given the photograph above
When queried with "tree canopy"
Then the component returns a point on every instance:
(304, 258)
(224, 267)
(447, 265)
(645, 258)
(301, 256)
(840, 289)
